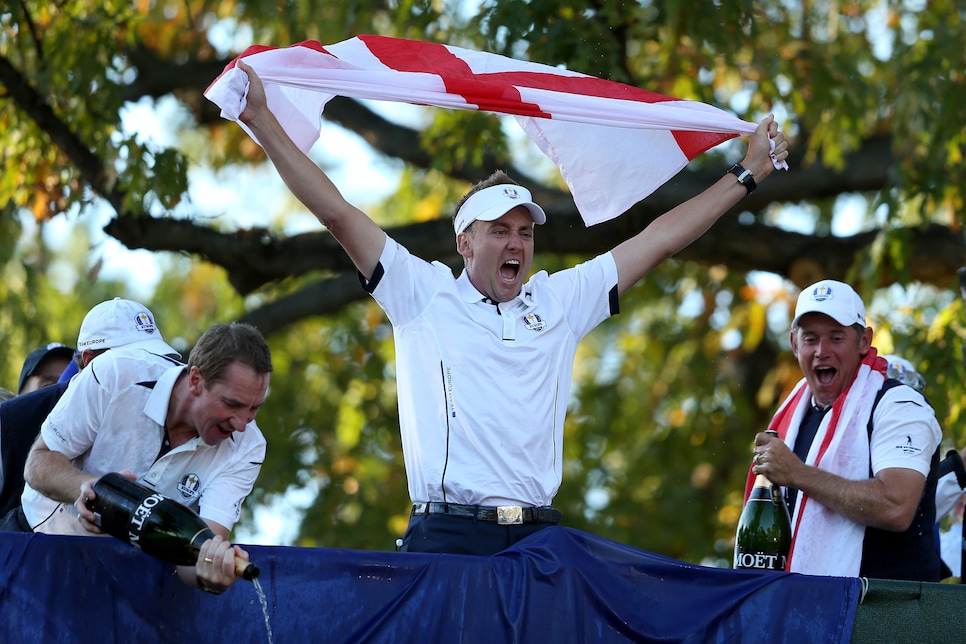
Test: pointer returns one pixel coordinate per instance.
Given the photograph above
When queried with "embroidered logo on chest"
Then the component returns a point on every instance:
(534, 322)
(189, 486)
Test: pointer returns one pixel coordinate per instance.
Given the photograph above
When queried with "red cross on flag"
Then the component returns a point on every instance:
(614, 144)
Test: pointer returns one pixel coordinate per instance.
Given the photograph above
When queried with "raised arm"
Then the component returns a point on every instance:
(680, 226)
(361, 238)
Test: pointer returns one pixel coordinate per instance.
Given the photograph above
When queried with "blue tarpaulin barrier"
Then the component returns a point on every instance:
(560, 585)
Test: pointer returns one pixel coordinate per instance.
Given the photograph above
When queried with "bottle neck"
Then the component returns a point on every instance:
(762, 481)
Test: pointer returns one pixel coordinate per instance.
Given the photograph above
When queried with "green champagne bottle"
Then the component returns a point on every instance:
(157, 525)
(764, 533)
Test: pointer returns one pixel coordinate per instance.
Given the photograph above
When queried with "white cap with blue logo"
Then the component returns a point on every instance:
(835, 299)
(122, 323)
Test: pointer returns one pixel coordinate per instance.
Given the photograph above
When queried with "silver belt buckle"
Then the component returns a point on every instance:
(509, 515)
(420, 508)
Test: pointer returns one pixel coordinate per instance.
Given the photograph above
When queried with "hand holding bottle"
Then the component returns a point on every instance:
(774, 459)
(164, 528)
(220, 564)
(85, 515)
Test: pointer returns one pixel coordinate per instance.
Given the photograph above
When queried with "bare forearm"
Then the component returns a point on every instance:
(675, 230)
(304, 178)
(872, 502)
(361, 238)
(53, 475)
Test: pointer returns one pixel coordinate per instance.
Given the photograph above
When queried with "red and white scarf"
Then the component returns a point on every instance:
(826, 542)
(614, 144)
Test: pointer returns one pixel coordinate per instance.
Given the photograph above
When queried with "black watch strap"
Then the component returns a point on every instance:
(745, 177)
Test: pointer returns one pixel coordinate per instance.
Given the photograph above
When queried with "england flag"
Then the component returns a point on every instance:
(614, 144)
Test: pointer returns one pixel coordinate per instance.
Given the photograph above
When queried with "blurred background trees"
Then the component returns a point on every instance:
(120, 178)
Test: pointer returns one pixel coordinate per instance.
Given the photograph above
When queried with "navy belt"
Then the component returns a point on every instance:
(501, 514)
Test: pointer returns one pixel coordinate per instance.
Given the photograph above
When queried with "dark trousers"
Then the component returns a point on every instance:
(463, 536)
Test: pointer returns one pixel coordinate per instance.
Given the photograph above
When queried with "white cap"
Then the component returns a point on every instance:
(492, 203)
(903, 371)
(835, 299)
(121, 323)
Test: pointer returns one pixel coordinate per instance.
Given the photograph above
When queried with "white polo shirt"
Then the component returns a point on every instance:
(111, 418)
(905, 431)
(483, 388)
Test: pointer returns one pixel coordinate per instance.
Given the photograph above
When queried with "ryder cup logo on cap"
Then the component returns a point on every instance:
(822, 293)
(489, 204)
(121, 323)
(144, 323)
(834, 299)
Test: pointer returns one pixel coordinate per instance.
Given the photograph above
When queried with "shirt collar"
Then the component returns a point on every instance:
(157, 406)
(817, 407)
(469, 294)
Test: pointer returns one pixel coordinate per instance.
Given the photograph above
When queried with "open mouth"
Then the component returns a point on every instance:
(825, 375)
(510, 269)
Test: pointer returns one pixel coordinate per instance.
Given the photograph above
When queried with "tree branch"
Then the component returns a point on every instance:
(32, 103)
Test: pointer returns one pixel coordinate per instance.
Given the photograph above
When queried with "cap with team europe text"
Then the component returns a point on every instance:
(122, 323)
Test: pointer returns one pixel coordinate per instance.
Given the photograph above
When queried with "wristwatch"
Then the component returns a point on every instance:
(745, 177)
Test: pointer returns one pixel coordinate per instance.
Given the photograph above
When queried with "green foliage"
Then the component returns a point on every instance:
(71, 52)
(150, 175)
(658, 437)
(462, 138)
(37, 305)
(331, 422)
(928, 106)
(68, 51)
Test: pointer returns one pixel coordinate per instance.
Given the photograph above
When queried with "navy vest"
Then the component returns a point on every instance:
(912, 555)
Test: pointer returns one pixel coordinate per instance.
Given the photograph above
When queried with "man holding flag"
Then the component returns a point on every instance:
(484, 360)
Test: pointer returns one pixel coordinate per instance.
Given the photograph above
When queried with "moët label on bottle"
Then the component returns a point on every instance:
(139, 516)
(760, 560)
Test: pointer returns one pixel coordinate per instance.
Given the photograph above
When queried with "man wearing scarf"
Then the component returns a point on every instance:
(857, 452)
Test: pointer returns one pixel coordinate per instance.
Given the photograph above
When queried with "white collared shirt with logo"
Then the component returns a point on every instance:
(483, 388)
(111, 419)
(905, 432)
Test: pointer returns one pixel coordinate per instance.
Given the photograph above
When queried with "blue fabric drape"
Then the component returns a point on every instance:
(560, 585)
